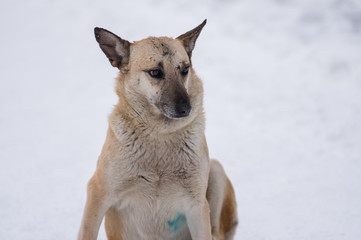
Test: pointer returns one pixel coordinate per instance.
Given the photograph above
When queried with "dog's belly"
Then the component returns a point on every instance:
(154, 210)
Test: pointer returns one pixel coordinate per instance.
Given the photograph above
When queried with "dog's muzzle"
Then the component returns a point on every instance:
(182, 108)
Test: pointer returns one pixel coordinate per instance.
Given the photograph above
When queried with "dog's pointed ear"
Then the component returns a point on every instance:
(189, 38)
(115, 48)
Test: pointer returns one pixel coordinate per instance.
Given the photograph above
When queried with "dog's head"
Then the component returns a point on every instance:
(156, 70)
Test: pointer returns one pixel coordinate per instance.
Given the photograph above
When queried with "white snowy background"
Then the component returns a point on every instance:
(282, 98)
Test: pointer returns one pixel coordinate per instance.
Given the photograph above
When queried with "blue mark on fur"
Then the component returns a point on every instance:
(178, 222)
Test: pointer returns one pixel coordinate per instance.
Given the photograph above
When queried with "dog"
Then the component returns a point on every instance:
(154, 179)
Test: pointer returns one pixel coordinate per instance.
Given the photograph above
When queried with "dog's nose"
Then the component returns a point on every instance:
(183, 108)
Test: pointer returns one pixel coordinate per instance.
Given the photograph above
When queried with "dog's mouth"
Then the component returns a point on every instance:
(178, 111)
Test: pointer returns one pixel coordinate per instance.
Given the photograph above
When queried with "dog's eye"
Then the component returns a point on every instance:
(156, 73)
(184, 71)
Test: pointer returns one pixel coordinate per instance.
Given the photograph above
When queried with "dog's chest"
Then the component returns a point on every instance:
(153, 167)
(160, 177)
(156, 158)
(156, 178)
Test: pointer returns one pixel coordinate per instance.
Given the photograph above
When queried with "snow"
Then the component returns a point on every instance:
(282, 98)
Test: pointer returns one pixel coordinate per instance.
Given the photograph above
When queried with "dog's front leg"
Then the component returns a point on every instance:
(198, 219)
(95, 209)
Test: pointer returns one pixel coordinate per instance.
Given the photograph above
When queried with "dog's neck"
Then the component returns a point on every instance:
(141, 118)
(125, 116)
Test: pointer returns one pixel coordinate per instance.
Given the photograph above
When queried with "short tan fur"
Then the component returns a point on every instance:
(154, 178)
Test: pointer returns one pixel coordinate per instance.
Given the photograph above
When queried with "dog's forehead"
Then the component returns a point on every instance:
(153, 50)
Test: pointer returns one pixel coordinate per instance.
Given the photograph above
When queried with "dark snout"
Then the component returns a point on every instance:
(182, 107)
(176, 104)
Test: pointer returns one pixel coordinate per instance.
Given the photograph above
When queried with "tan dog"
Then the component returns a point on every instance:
(154, 179)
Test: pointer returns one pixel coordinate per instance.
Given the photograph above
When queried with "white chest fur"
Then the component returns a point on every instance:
(155, 177)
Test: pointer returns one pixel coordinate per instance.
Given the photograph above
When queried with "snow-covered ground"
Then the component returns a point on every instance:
(282, 97)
